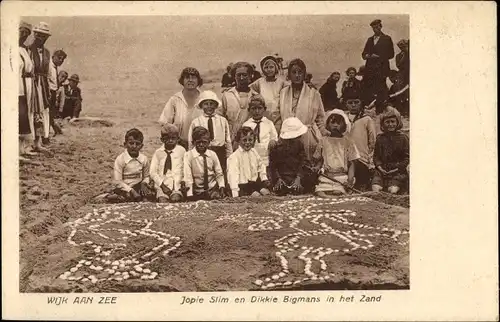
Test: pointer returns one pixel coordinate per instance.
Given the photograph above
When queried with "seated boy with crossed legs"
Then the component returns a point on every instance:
(131, 171)
(167, 166)
(202, 170)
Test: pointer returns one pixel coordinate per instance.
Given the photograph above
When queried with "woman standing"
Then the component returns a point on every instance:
(235, 100)
(26, 117)
(181, 109)
(300, 101)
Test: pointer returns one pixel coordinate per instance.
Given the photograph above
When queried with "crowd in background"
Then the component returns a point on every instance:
(46, 94)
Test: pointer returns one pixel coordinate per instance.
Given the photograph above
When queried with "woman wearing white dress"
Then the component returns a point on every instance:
(181, 109)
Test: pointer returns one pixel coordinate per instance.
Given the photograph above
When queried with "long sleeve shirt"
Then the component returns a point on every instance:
(129, 171)
(267, 133)
(194, 171)
(392, 151)
(244, 166)
(337, 153)
(173, 177)
(222, 134)
(364, 135)
(287, 160)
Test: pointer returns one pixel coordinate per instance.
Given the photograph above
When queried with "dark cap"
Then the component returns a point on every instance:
(75, 78)
(376, 22)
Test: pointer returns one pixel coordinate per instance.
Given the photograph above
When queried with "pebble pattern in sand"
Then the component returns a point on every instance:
(292, 246)
(107, 256)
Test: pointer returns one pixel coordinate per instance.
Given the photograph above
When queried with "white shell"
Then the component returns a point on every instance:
(258, 282)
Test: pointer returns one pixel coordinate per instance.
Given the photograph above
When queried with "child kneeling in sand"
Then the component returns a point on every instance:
(338, 153)
(202, 170)
(287, 158)
(246, 171)
(131, 171)
(167, 166)
(392, 154)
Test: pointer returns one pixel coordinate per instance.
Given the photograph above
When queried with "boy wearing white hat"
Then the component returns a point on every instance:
(217, 126)
(287, 158)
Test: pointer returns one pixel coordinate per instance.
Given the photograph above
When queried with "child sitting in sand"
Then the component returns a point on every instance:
(217, 126)
(392, 154)
(287, 158)
(265, 131)
(72, 98)
(246, 172)
(270, 86)
(202, 170)
(167, 166)
(131, 171)
(338, 153)
(363, 135)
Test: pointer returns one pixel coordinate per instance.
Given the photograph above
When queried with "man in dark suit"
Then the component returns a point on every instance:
(378, 50)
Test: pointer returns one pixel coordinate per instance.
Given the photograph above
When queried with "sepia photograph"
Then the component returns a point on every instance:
(214, 153)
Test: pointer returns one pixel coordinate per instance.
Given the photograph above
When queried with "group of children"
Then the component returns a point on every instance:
(261, 162)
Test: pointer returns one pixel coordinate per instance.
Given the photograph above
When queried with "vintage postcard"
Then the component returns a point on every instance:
(249, 161)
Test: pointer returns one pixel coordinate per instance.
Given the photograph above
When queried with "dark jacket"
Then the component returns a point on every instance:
(392, 151)
(41, 68)
(329, 95)
(351, 88)
(403, 64)
(385, 49)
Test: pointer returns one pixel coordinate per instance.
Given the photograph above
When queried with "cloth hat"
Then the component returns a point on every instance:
(344, 116)
(75, 78)
(376, 22)
(25, 25)
(42, 28)
(264, 60)
(391, 112)
(292, 128)
(208, 95)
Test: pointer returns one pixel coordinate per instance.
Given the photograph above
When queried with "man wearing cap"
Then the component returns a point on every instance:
(378, 50)
(41, 59)
(72, 98)
(57, 60)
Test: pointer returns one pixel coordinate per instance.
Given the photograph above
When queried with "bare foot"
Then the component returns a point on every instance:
(255, 194)
(264, 192)
(321, 194)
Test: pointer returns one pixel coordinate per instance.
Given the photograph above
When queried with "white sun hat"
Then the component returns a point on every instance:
(42, 28)
(337, 111)
(292, 128)
(208, 95)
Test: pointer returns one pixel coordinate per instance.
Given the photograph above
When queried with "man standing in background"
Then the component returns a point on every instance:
(57, 60)
(41, 60)
(378, 50)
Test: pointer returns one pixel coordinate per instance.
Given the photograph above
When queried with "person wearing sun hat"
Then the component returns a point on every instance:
(72, 98)
(217, 126)
(26, 116)
(287, 158)
(41, 60)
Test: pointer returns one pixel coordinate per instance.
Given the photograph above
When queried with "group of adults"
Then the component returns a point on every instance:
(43, 91)
(371, 78)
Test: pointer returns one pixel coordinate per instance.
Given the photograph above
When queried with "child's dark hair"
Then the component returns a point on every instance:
(349, 69)
(135, 134)
(190, 71)
(244, 131)
(199, 132)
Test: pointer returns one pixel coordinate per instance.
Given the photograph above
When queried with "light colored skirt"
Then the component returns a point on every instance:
(325, 184)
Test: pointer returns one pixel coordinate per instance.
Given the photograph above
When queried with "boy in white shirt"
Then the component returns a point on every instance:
(217, 126)
(265, 131)
(246, 172)
(167, 166)
(202, 171)
(131, 171)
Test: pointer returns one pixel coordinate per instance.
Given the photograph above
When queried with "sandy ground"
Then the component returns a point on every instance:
(218, 250)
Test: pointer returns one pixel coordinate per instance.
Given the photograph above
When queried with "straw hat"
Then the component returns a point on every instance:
(42, 28)
(208, 95)
(292, 128)
(75, 78)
